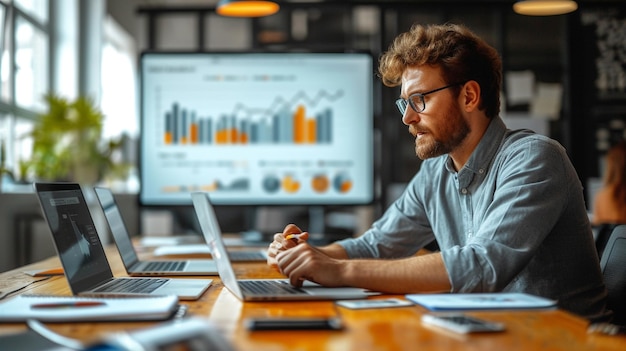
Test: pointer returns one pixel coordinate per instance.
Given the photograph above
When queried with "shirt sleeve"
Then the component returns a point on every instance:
(532, 183)
(401, 232)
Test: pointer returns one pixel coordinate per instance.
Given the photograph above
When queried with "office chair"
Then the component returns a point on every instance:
(613, 264)
(602, 233)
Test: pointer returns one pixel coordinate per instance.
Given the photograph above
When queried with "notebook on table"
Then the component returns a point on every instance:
(259, 289)
(134, 266)
(481, 301)
(82, 255)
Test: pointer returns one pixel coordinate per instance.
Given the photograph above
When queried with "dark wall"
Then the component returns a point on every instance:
(598, 80)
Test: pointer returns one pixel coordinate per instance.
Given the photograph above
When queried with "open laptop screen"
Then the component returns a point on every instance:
(74, 234)
(118, 228)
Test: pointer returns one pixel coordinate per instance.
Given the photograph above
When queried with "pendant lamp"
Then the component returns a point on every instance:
(544, 7)
(246, 8)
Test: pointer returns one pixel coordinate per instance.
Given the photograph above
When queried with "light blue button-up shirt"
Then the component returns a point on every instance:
(512, 219)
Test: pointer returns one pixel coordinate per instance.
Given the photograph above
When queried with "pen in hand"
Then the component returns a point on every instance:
(293, 236)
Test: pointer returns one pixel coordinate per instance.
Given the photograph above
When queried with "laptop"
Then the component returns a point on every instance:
(82, 255)
(134, 266)
(259, 289)
(247, 255)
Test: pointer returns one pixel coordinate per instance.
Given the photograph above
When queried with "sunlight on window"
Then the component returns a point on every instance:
(5, 82)
(118, 93)
(35, 8)
(31, 61)
(5, 76)
(118, 98)
(119, 83)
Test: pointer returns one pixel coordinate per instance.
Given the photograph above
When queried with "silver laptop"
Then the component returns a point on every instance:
(259, 289)
(247, 255)
(134, 266)
(82, 255)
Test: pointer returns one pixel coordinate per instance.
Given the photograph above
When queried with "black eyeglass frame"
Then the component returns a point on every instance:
(402, 104)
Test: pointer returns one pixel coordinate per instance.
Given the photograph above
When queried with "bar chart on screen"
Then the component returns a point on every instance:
(284, 121)
(258, 128)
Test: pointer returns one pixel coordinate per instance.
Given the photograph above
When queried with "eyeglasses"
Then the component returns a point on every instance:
(416, 101)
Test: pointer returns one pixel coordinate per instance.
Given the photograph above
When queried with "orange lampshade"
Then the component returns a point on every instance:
(544, 7)
(246, 8)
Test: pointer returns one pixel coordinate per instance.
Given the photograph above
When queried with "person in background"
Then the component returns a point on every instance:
(505, 207)
(609, 205)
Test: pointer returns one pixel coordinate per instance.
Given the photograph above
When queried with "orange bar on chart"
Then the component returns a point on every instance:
(311, 131)
(243, 138)
(193, 133)
(299, 125)
(221, 136)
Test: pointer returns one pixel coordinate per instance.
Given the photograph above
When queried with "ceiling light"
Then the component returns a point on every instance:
(544, 7)
(246, 8)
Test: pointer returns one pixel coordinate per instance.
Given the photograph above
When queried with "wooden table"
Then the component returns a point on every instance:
(373, 329)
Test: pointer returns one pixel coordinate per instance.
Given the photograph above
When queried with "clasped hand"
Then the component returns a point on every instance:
(292, 255)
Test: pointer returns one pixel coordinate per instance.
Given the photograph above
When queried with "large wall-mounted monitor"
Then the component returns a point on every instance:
(257, 128)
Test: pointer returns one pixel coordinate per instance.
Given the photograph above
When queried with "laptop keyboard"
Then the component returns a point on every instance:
(246, 256)
(268, 287)
(165, 266)
(134, 285)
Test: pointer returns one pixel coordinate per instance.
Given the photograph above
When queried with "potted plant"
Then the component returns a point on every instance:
(68, 146)
(3, 169)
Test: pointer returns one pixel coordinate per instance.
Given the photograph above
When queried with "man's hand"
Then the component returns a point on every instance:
(305, 262)
(289, 238)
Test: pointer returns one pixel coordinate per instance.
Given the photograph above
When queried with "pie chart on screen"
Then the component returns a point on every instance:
(342, 183)
(290, 184)
(320, 183)
(271, 184)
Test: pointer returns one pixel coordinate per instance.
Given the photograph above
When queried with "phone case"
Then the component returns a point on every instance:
(293, 324)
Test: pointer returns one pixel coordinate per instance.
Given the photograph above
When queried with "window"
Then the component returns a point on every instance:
(37, 9)
(31, 64)
(24, 74)
(119, 83)
(5, 82)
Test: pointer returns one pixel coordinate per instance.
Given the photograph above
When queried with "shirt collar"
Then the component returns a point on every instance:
(484, 152)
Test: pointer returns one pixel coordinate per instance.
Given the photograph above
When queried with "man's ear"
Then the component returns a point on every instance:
(470, 96)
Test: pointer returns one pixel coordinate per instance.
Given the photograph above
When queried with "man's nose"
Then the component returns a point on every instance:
(410, 116)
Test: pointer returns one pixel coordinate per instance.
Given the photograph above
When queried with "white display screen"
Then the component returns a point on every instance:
(257, 128)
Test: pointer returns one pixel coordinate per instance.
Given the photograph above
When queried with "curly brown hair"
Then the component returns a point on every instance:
(461, 55)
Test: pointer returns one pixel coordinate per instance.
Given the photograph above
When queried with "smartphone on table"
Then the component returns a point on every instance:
(461, 323)
(294, 323)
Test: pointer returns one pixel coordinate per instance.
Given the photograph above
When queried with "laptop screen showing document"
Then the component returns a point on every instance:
(259, 289)
(82, 255)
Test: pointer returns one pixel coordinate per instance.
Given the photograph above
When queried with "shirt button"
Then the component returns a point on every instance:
(464, 191)
(481, 171)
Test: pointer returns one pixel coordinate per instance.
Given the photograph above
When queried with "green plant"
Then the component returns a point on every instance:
(3, 168)
(67, 144)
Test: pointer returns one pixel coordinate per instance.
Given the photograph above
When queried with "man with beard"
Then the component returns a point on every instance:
(505, 207)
